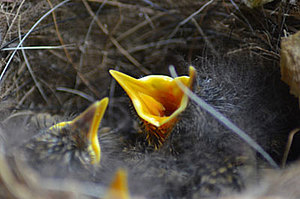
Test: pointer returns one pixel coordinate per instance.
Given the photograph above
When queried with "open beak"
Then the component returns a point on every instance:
(119, 187)
(157, 98)
(88, 123)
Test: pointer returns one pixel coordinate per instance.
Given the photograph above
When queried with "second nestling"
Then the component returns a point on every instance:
(73, 143)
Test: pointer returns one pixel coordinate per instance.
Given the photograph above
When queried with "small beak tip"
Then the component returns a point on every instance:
(105, 101)
(102, 104)
(112, 72)
(192, 69)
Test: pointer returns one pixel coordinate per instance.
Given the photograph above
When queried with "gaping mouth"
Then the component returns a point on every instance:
(156, 98)
(87, 123)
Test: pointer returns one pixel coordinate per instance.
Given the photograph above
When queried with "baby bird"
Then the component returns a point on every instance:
(73, 143)
(158, 101)
(163, 108)
(200, 157)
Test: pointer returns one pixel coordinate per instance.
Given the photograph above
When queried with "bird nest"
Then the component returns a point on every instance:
(55, 55)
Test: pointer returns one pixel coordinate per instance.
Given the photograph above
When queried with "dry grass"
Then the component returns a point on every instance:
(89, 37)
(140, 37)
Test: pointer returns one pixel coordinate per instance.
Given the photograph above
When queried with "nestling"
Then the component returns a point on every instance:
(158, 101)
(72, 143)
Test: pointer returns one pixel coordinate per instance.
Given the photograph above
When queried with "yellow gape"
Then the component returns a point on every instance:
(157, 99)
(86, 125)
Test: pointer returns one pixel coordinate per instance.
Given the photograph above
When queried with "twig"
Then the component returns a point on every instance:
(58, 33)
(76, 92)
(86, 82)
(59, 56)
(25, 96)
(85, 41)
(138, 26)
(154, 5)
(30, 69)
(18, 114)
(13, 21)
(115, 42)
(208, 43)
(123, 5)
(262, 50)
(288, 146)
(189, 18)
(157, 44)
(26, 35)
(243, 16)
(42, 27)
(37, 47)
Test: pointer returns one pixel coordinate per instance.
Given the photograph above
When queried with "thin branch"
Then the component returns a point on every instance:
(13, 21)
(58, 33)
(208, 43)
(189, 18)
(288, 146)
(26, 35)
(76, 92)
(123, 5)
(37, 48)
(115, 42)
(85, 41)
(30, 69)
(138, 26)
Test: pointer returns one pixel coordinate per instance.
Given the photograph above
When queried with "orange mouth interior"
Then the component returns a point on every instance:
(156, 98)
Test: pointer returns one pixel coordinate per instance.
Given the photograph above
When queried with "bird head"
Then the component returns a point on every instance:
(157, 99)
(79, 136)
